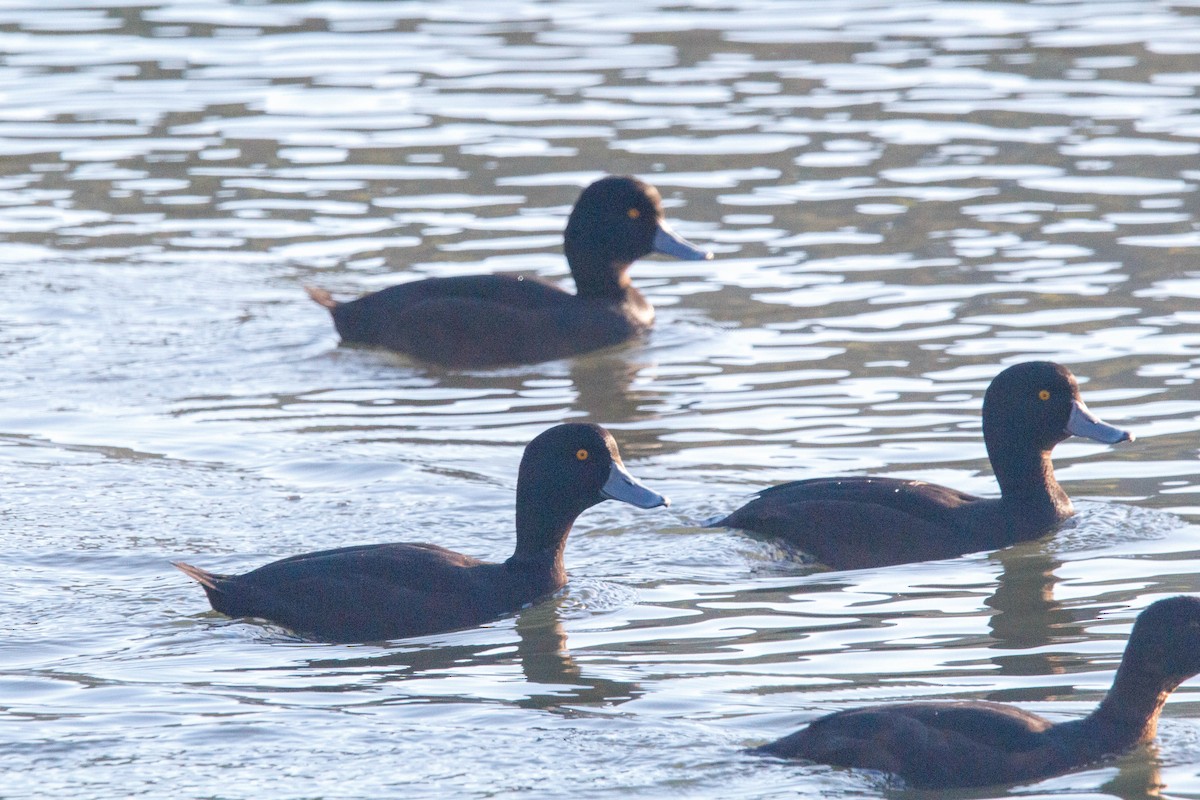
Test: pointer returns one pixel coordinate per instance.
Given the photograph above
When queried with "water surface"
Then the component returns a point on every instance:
(903, 198)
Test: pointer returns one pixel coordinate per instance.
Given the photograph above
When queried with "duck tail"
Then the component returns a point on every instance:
(321, 297)
(201, 576)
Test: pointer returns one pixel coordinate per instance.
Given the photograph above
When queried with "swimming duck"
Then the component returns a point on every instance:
(491, 320)
(946, 745)
(388, 591)
(857, 522)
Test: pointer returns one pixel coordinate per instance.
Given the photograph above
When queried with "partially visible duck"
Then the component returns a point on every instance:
(857, 522)
(387, 591)
(947, 745)
(490, 320)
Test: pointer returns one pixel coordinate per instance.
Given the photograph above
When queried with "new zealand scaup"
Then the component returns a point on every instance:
(387, 591)
(947, 745)
(492, 320)
(857, 522)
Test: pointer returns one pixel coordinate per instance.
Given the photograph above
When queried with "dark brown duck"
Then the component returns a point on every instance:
(946, 745)
(857, 522)
(491, 320)
(387, 591)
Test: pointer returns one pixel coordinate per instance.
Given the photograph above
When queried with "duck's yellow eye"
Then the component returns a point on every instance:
(581, 454)
(633, 213)
(1044, 394)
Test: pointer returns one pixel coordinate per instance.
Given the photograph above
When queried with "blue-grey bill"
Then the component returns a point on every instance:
(670, 243)
(626, 488)
(1083, 422)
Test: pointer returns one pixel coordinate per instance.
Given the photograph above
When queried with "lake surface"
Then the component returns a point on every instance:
(902, 197)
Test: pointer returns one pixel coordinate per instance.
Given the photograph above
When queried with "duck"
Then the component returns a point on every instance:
(944, 745)
(375, 592)
(498, 320)
(860, 522)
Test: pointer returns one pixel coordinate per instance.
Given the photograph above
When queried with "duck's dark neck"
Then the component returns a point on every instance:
(597, 277)
(1129, 714)
(542, 529)
(540, 573)
(1026, 476)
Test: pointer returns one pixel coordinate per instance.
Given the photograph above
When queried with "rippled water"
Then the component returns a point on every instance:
(903, 198)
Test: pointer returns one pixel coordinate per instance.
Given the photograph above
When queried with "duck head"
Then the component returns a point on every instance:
(616, 221)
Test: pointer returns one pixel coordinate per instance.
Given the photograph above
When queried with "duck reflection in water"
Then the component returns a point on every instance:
(495, 320)
(387, 591)
(1028, 620)
(858, 522)
(553, 676)
(954, 744)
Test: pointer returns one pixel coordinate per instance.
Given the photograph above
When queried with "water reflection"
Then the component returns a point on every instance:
(607, 387)
(1138, 775)
(1027, 618)
(553, 679)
